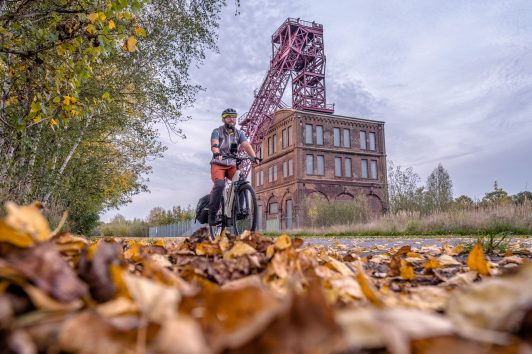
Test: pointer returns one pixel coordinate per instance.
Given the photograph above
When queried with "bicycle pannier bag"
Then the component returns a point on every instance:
(202, 210)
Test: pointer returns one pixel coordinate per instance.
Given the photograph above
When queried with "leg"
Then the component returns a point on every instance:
(214, 202)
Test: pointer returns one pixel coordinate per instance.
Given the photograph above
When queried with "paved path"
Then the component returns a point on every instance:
(398, 242)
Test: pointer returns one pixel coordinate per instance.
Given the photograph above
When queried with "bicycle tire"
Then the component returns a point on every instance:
(244, 216)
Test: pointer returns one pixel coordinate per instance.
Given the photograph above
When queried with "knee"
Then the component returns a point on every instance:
(218, 185)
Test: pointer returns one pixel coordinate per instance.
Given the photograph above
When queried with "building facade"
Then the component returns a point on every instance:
(308, 155)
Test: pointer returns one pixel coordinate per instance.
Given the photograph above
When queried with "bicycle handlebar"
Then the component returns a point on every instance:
(238, 158)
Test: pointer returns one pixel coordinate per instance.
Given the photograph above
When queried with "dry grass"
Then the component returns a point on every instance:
(511, 218)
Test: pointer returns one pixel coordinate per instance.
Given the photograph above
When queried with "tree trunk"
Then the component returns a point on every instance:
(73, 149)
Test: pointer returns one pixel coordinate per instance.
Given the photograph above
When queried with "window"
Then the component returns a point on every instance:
(347, 167)
(284, 139)
(308, 133)
(347, 138)
(259, 153)
(336, 136)
(270, 174)
(321, 165)
(275, 172)
(285, 169)
(257, 178)
(363, 140)
(310, 165)
(338, 166)
(273, 208)
(270, 149)
(290, 167)
(372, 145)
(374, 169)
(261, 177)
(289, 133)
(274, 142)
(319, 134)
(364, 168)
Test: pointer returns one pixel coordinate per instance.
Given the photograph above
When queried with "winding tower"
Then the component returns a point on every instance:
(297, 53)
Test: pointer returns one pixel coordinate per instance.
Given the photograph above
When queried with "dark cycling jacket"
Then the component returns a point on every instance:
(225, 139)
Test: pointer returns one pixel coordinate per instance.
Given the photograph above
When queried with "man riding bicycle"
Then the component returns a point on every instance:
(224, 141)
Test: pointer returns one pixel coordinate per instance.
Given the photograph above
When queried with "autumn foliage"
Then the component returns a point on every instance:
(252, 294)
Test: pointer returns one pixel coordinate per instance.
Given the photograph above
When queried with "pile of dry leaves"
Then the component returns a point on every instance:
(251, 294)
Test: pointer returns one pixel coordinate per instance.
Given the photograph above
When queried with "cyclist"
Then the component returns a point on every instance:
(224, 141)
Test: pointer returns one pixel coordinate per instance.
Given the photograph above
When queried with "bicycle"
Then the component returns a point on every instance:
(239, 203)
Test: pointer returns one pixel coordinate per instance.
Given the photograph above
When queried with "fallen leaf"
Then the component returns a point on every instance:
(239, 249)
(407, 272)
(476, 261)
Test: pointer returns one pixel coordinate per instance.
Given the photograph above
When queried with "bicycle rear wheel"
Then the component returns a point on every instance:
(244, 211)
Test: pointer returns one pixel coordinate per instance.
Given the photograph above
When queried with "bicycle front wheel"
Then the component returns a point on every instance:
(244, 211)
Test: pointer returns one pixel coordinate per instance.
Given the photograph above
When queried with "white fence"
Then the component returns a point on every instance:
(183, 228)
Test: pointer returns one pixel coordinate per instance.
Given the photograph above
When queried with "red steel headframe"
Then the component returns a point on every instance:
(297, 52)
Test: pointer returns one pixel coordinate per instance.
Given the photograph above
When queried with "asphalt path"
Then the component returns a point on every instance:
(526, 242)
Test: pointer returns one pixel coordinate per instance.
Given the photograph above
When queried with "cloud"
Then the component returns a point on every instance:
(452, 81)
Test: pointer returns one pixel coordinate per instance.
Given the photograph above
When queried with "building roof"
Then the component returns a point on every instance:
(329, 115)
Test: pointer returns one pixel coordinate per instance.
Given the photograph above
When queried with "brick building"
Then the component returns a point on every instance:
(316, 155)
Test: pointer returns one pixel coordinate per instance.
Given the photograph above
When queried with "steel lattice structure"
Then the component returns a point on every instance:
(297, 53)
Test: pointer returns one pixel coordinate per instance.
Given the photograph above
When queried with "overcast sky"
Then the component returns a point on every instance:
(452, 80)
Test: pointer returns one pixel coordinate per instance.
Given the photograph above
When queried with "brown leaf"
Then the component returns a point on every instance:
(231, 317)
(181, 335)
(307, 325)
(157, 302)
(90, 333)
(95, 268)
(494, 304)
(46, 268)
(282, 242)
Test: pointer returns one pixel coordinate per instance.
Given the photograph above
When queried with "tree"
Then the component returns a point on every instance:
(403, 191)
(439, 190)
(83, 85)
(496, 197)
(463, 202)
(522, 197)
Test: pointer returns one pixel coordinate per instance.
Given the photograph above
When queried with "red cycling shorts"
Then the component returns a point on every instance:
(220, 172)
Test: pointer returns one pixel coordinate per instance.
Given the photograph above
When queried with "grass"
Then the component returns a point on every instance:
(475, 221)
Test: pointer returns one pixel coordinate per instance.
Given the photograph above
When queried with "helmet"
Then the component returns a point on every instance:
(229, 112)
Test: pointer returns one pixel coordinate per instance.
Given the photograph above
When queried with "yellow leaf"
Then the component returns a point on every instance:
(282, 242)
(101, 16)
(407, 271)
(131, 44)
(133, 253)
(270, 251)
(93, 17)
(37, 119)
(476, 261)
(66, 100)
(53, 122)
(432, 263)
(159, 242)
(74, 112)
(28, 219)
(10, 235)
(111, 24)
(91, 29)
(207, 249)
(73, 100)
(239, 249)
(367, 287)
(139, 31)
